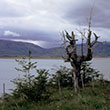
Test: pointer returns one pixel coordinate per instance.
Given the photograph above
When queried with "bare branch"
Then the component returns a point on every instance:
(64, 39)
(82, 46)
(89, 39)
(68, 36)
(73, 35)
(82, 33)
(90, 18)
(98, 43)
(95, 41)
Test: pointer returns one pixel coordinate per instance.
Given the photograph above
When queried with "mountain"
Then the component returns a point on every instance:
(99, 50)
(102, 50)
(12, 48)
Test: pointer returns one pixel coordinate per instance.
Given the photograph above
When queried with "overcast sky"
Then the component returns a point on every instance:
(42, 21)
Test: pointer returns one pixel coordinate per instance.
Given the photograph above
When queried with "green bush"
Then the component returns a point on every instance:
(36, 87)
(88, 73)
(62, 75)
(34, 90)
(31, 87)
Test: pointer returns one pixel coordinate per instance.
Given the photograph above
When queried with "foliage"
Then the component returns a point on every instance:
(88, 73)
(26, 64)
(31, 86)
(34, 90)
(63, 74)
(97, 99)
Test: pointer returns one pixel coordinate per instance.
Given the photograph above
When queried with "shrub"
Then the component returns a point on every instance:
(62, 75)
(31, 87)
(88, 73)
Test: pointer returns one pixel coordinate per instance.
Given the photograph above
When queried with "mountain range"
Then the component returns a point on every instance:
(13, 49)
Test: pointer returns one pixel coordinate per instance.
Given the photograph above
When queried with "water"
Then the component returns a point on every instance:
(8, 72)
(102, 65)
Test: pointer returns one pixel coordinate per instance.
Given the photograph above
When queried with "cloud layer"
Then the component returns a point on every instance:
(54, 16)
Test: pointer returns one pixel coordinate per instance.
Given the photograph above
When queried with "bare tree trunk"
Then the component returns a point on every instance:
(82, 80)
(75, 81)
(59, 86)
(76, 77)
(76, 60)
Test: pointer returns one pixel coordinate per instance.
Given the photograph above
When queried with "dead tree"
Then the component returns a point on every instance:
(75, 59)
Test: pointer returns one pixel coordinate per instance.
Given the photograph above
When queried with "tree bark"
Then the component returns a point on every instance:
(76, 60)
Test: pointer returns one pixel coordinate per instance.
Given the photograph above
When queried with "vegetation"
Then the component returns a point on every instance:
(89, 99)
(32, 87)
(42, 91)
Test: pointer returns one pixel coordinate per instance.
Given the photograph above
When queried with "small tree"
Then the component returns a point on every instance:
(88, 74)
(26, 66)
(31, 86)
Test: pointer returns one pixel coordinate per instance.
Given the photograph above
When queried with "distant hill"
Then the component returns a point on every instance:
(99, 50)
(12, 49)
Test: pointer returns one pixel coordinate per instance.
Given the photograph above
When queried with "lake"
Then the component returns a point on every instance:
(8, 72)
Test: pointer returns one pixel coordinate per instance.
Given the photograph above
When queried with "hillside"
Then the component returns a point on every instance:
(11, 49)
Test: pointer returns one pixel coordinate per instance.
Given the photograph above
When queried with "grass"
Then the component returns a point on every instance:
(88, 99)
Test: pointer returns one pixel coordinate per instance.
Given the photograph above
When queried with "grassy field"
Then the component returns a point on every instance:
(97, 98)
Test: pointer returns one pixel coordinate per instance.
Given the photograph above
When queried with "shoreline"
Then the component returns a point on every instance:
(46, 57)
(31, 57)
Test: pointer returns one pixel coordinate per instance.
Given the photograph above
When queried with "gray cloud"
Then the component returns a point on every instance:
(9, 9)
(10, 33)
(46, 14)
(78, 15)
(44, 20)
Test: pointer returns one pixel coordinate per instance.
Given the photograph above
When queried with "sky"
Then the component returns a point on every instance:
(41, 22)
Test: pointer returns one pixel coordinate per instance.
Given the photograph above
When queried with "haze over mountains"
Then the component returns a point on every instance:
(45, 39)
(12, 49)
